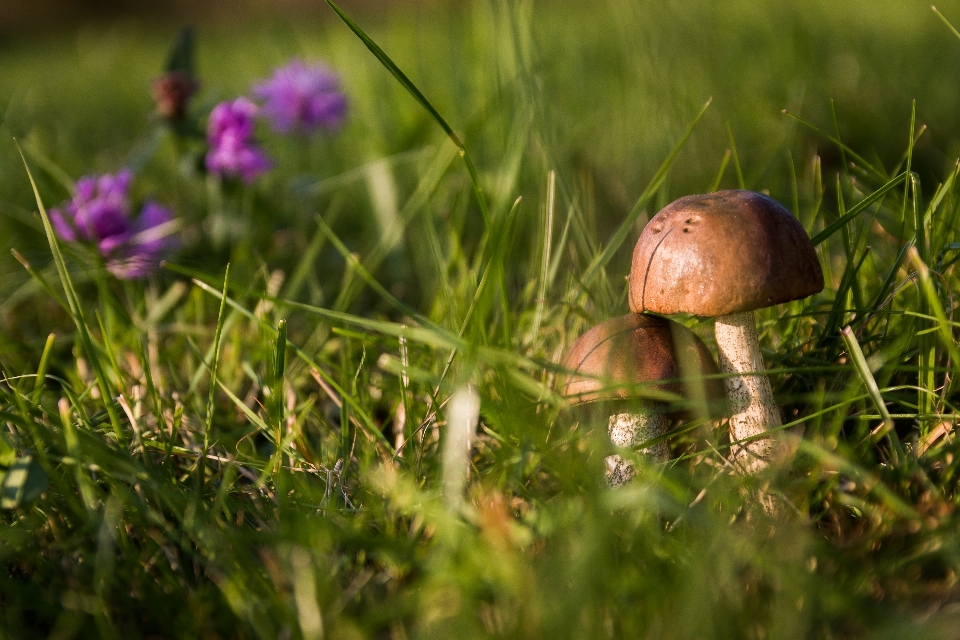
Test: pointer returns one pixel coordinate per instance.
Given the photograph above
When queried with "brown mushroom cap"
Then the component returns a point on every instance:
(722, 253)
(636, 349)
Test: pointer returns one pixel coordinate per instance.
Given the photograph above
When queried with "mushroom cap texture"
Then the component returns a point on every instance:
(721, 253)
(635, 349)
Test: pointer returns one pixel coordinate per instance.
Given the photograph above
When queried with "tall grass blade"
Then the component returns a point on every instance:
(857, 209)
(108, 351)
(152, 391)
(920, 241)
(856, 354)
(942, 17)
(76, 312)
(40, 280)
(306, 262)
(736, 157)
(546, 239)
(844, 149)
(84, 484)
(929, 291)
(407, 84)
(279, 366)
(357, 267)
(415, 206)
(42, 368)
(881, 298)
(211, 396)
(723, 169)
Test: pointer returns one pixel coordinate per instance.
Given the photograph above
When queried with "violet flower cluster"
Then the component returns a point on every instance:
(298, 96)
(100, 212)
(233, 151)
(302, 96)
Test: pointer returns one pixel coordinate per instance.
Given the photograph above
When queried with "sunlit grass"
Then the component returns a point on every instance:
(259, 451)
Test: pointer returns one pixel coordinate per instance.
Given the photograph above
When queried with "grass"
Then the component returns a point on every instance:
(259, 451)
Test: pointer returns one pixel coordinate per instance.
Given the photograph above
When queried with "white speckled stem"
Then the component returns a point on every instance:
(752, 407)
(629, 430)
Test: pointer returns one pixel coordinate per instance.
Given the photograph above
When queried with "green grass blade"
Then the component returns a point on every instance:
(251, 415)
(723, 169)
(833, 321)
(736, 157)
(84, 485)
(562, 242)
(794, 187)
(416, 205)
(856, 354)
(942, 17)
(40, 280)
(921, 242)
(357, 267)
(933, 300)
(939, 195)
(108, 350)
(397, 73)
(891, 277)
(152, 390)
(407, 84)
(279, 366)
(547, 237)
(844, 149)
(42, 369)
(856, 210)
(207, 356)
(214, 363)
(434, 337)
(76, 312)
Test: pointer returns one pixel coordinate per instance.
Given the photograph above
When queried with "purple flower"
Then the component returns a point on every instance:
(234, 157)
(305, 96)
(97, 211)
(233, 152)
(100, 212)
(141, 251)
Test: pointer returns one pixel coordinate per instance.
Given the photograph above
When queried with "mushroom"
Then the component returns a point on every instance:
(612, 359)
(724, 255)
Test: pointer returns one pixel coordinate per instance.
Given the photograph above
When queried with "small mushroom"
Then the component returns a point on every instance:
(724, 255)
(611, 360)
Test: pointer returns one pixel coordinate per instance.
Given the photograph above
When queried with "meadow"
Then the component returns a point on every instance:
(249, 442)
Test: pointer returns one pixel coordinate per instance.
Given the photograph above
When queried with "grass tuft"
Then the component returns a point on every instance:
(356, 428)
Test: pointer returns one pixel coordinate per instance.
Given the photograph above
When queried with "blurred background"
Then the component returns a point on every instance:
(617, 82)
(23, 16)
(600, 96)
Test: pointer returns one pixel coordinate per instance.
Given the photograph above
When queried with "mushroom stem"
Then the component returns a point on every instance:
(752, 407)
(628, 430)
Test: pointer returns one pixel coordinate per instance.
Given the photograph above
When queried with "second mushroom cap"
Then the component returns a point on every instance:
(612, 358)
